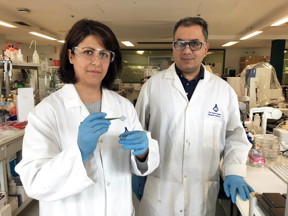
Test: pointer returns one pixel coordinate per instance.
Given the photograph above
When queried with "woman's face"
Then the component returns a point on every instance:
(90, 64)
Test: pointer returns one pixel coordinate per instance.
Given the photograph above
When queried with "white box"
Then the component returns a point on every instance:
(25, 103)
(283, 137)
(6, 210)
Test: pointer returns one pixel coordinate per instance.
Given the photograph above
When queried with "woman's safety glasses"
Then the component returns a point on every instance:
(194, 45)
(89, 53)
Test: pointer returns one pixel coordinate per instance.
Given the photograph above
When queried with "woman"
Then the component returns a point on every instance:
(74, 162)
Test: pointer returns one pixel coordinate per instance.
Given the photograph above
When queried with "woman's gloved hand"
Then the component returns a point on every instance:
(89, 132)
(134, 140)
(234, 183)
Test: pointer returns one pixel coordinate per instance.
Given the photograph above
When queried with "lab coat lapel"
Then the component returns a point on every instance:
(171, 74)
(72, 100)
(201, 87)
(109, 104)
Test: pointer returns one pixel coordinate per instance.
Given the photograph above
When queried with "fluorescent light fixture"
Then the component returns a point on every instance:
(231, 43)
(7, 25)
(127, 43)
(61, 41)
(251, 35)
(280, 22)
(140, 52)
(42, 35)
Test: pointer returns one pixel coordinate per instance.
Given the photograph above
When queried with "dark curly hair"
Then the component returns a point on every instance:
(79, 31)
(190, 21)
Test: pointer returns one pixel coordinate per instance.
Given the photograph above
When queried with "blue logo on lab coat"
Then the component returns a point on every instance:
(215, 113)
(215, 108)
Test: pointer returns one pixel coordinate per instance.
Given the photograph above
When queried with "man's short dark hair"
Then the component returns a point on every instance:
(190, 21)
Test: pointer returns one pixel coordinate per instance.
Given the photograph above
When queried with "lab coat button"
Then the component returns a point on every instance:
(101, 141)
(108, 184)
(159, 201)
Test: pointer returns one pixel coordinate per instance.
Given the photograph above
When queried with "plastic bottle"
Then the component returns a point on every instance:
(20, 56)
(35, 57)
(13, 55)
(12, 187)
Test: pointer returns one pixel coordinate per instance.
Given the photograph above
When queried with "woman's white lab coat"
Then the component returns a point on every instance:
(52, 170)
(193, 136)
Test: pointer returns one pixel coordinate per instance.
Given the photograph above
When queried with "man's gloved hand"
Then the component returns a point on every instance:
(134, 140)
(234, 183)
(89, 132)
(138, 184)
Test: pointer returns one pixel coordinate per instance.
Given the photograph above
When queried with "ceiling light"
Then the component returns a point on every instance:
(61, 41)
(280, 22)
(127, 43)
(230, 43)
(23, 10)
(251, 35)
(140, 52)
(42, 35)
(7, 25)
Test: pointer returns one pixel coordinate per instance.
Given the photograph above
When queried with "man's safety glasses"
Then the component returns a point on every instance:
(194, 45)
(90, 54)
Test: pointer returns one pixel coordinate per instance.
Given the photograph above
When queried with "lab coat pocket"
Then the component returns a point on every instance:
(211, 193)
(212, 133)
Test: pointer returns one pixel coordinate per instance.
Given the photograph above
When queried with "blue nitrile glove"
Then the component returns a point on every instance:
(89, 132)
(134, 140)
(138, 184)
(234, 183)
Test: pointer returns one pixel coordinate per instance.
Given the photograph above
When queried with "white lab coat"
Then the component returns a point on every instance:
(52, 170)
(193, 136)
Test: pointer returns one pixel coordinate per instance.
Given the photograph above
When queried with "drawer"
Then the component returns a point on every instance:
(13, 147)
(2, 152)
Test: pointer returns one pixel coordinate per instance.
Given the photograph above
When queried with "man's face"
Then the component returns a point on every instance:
(186, 60)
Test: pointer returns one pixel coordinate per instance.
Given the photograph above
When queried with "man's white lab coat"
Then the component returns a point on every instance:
(193, 136)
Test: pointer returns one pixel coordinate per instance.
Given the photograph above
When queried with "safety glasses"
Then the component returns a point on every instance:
(89, 53)
(194, 45)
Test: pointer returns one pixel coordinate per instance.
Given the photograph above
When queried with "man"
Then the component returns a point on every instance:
(195, 117)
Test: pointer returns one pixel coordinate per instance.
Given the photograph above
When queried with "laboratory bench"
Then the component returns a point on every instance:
(10, 145)
(262, 180)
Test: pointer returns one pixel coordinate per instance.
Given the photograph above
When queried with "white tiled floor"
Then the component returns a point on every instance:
(33, 209)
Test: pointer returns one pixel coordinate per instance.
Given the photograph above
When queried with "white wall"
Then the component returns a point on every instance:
(233, 55)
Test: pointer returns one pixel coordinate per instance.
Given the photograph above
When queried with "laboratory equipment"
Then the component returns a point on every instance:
(118, 84)
(260, 86)
(267, 113)
(7, 75)
(281, 172)
(122, 118)
(268, 144)
(283, 137)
